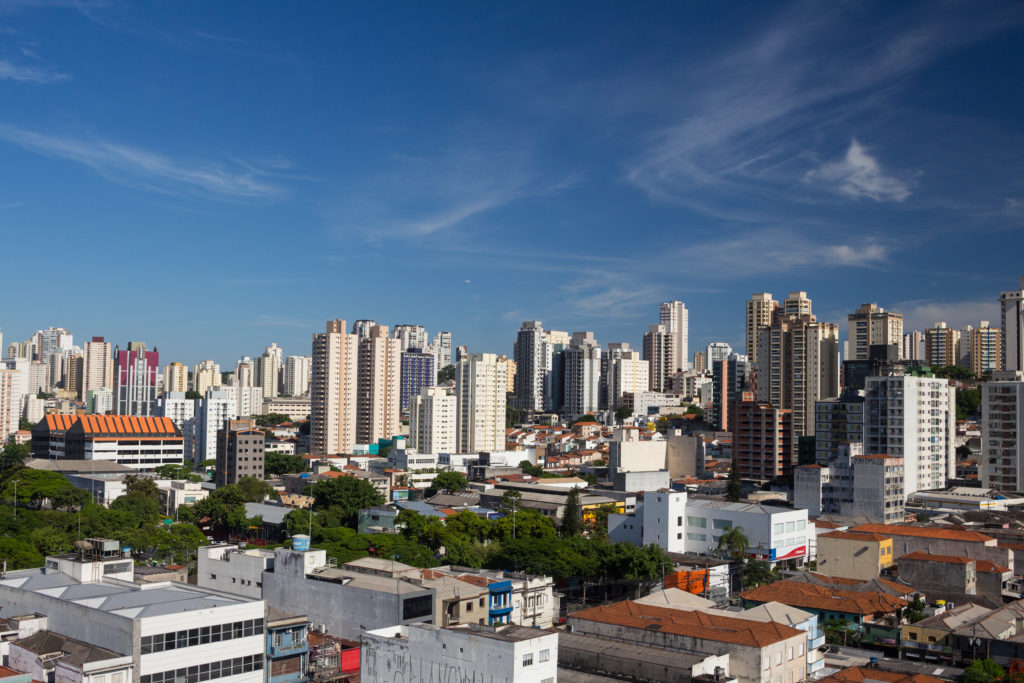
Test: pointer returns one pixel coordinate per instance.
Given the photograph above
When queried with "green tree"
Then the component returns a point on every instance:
(734, 488)
(734, 543)
(510, 500)
(178, 543)
(145, 509)
(192, 395)
(225, 507)
(758, 572)
(50, 541)
(513, 416)
(955, 372)
(172, 471)
(915, 610)
(968, 403)
(623, 413)
(19, 554)
(270, 419)
(13, 456)
(134, 483)
(25, 424)
(983, 671)
(446, 374)
(346, 496)
(695, 410)
(447, 482)
(469, 525)
(598, 526)
(34, 487)
(572, 523)
(282, 463)
(528, 467)
(524, 523)
(256, 490)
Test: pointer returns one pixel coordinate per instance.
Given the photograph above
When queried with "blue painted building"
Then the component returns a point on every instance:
(418, 371)
(287, 647)
(499, 603)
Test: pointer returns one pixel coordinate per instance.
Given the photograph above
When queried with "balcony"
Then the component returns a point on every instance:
(287, 648)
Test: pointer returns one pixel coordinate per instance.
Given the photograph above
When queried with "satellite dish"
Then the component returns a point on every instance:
(83, 545)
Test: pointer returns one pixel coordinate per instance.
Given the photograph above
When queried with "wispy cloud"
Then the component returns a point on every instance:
(859, 175)
(143, 168)
(750, 121)
(29, 74)
(1013, 207)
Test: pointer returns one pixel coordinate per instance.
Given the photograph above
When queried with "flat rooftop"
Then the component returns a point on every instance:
(131, 601)
(630, 652)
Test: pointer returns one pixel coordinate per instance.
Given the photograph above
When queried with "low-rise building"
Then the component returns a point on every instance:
(930, 639)
(853, 555)
(608, 659)
(50, 656)
(758, 651)
(287, 647)
(234, 569)
(956, 574)
(908, 538)
(424, 652)
(143, 443)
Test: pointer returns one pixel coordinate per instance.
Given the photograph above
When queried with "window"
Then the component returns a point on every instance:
(528, 659)
(679, 520)
(800, 650)
(790, 527)
(777, 528)
(778, 657)
(721, 524)
(413, 608)
(767, 663)
(800, 525)
(545, 655)
(698, 522)
(789, 655)
(697, 537)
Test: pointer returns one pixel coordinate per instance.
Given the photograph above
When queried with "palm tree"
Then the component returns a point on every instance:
(735, 542)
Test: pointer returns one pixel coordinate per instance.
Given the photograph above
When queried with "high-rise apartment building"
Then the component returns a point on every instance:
(74, 377)
(627, 374)
(135, 375)
(98, 367)
(533, 363)
(510, 373)
(913, 418)
(212, 411)
(268, 371)
(717, 351)
(12, 388)
(760, 308)
(432, 421)
(245, 374)
(762, 440)
(555, 344)
(240, 452)
(582, 375)
(333, 390)
(417, 371)
(361, 328)
(941, 345)
(410, 337)
(480, 412)
(52, 340)
(205, 375)
(700, 361)
(871, 325)
(297, 372)
(659, 353)
(986, 349)
(913, 346)
(443, 349)
(730, 377)
(796, 303)
(379, 386)
(1001, 465)
(37, 377)
(676, 319)
(175, 378)
(1012, 305)
(798, 363)
(837, 421)
(180, 410)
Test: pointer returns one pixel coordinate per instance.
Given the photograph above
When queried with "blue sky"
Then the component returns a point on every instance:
(211, 177)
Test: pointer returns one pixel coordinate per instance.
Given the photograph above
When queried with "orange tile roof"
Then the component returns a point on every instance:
(855, 536)
(112, 424)
(857, 674)
(800, 594)
(990, 567)
(924, 532)
(928, 557)
(824, 524)
(715, 628)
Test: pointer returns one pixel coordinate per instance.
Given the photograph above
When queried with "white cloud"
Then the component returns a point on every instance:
(922, 314)
(28, 74)
(139, 167)
(859, 175)
(1013, 207)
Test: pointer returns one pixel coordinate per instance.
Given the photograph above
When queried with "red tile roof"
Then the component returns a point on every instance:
(715, 628)
(857, 674)
(800, 594)
(928, 557)
(855, 536)
(924, 532)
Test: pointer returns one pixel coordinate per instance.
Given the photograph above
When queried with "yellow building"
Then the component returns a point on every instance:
(854, 554)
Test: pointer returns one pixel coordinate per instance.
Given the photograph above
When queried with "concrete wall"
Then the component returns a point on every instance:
(684, 455)
(225, 568)
(344, 610)
(636, 456)
(976, 550)
(849, 558)
(745, 663)
(641, 481)
(928, 575)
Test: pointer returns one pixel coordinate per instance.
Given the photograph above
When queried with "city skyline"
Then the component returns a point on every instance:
(470, 168)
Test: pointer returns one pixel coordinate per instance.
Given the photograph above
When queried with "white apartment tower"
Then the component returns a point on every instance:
(432, 421)
(98, 371)
(533, 363)
(211, 412)
(443, 349)
(627, 373)
(410, 337)
(582, 375)
(12, 387)
(796, 303)
(480, 391)
(985, 354)
(268, 375)
(1002, 415)
(361, 328)
(379, 386)
(760, 307)
(297, 370)
(913, 418)
(870, 325)
(1012, 304)
(676, 319)
(333, 390)
(658, 352)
